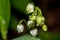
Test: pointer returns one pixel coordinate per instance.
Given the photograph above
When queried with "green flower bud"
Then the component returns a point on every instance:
(33, 18)
(43, 19)
(44, 27)
(40, 20)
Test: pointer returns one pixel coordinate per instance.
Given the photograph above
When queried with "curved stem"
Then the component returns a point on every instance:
(22, 21)
(40, 12)
(37, 11)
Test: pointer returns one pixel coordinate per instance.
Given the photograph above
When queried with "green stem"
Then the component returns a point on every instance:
(22, 21)
(38, 11)
(35, 12)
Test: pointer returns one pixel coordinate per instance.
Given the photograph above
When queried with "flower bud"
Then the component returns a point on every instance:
(40, 20)
(30, 8)
(30, 24)
(34, 32)
(44, 27)
(33, 18)
(20, 28)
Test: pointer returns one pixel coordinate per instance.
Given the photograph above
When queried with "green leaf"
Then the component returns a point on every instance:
(4, 17)
(27, 37)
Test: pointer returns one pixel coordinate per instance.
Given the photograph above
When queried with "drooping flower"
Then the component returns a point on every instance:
(20, 28)
(30, 24)
(34, 32)
(30, 8)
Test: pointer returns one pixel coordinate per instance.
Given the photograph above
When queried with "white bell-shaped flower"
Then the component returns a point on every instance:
(34, 32)
(30, 24)
(20, 28)
(30, 8)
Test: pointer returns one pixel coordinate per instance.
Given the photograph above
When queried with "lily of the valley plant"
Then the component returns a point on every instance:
(35, 20)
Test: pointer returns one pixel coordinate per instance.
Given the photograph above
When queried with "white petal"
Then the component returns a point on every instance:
(34, 32)
(20, 28)
(30, 8)
(30, 24)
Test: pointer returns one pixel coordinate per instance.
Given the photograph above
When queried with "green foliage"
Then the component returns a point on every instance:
(43, 35)
(4, 17)
(48, 35)
(27, 37)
